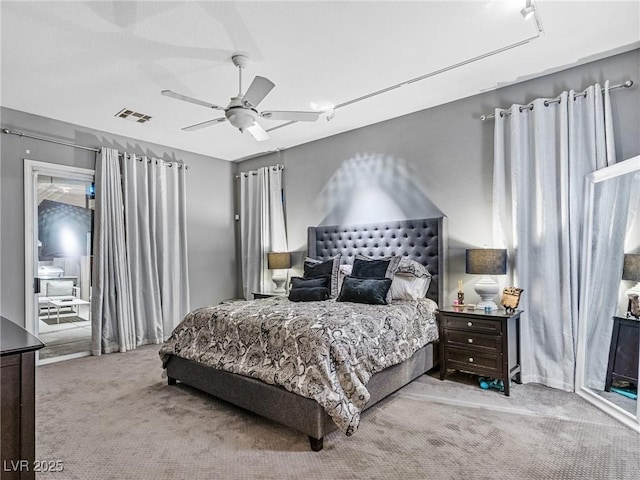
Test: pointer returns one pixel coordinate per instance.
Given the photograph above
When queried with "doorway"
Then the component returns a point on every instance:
(59, 222)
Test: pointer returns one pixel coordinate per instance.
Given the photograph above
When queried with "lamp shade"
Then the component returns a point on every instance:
(486, 261)
(631, 267)
(278, 260)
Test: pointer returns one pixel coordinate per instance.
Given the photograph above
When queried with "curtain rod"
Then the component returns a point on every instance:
(246, 174)
(74, 145)
(529, 106)
(47, 139)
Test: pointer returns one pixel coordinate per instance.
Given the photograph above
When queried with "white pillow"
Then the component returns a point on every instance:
(409, 287)
(345, 271)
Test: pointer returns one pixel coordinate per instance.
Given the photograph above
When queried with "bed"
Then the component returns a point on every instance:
(423, 240)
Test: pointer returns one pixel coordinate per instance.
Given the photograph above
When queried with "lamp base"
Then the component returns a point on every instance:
(279, 279)
(279, 287)
(487, 288)
(633, 307)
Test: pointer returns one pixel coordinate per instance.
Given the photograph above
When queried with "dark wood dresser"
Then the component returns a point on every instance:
(623, 353)
(486, 344)
(17, 401)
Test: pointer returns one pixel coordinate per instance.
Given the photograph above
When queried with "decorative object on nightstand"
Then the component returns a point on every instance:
(460, 293)
(631, 271)
(280, 263)
(485, 262)
(511, 298)
(486, 344)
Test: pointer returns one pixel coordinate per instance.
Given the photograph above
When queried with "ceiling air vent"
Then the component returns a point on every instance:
(132, 116)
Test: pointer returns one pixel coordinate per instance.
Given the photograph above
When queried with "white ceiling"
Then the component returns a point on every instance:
(82, 62)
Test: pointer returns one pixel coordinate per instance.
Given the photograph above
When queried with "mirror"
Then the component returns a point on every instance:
(608, 342)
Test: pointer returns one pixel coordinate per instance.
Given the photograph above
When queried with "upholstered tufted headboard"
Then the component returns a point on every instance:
(423, 240)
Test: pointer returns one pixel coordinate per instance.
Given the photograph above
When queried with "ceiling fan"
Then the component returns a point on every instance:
(241, 111)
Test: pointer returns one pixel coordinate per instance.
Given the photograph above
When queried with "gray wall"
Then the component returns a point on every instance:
(439, 158)
(211, 244)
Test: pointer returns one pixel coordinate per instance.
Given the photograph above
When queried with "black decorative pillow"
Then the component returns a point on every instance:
(367, 267)
(317, 268)
(365, 290)
(309, 294)
(299, 282)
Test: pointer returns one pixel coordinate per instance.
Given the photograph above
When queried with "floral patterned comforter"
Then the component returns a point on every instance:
(326, 350)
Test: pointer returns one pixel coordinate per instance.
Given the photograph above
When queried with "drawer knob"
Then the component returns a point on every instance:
(470, 340)
(470, 324)
(470, 359)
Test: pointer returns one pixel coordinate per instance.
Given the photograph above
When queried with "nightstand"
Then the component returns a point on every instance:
(486, 344)
(623, 353)
(257, 295)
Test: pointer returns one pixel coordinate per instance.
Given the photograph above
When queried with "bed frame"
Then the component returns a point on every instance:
(422, 240)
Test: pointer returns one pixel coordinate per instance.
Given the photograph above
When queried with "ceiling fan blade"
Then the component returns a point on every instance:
(259, 88)
(184, 98)
(291, 116)
(206, 124)
(257, 132)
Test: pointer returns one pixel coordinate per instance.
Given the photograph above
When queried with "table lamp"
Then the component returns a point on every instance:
(485, 262)
(279, 262)
(631, 271)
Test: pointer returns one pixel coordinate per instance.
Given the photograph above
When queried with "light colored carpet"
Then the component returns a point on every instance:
(113, 417)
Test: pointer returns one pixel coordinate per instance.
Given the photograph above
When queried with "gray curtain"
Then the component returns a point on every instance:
(111, 300)
(156, 233)
(541, 157)
(262, 226)
(141, 229)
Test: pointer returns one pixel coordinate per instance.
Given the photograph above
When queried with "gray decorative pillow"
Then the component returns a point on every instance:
(317, 268)
(309, 294)
(408, 266)
(365, 290)
(322, 281)
(377, 268)
(392, 265)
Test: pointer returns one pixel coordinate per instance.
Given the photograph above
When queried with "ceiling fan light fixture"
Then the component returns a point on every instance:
(258, 132)
(241, 118)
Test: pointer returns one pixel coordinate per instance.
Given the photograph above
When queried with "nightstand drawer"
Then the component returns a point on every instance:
(476, 324)
(474, 361)
(473, 341)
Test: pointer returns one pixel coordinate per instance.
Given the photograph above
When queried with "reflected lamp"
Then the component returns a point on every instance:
(631, 271)
(486, 262)
(280, 263)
